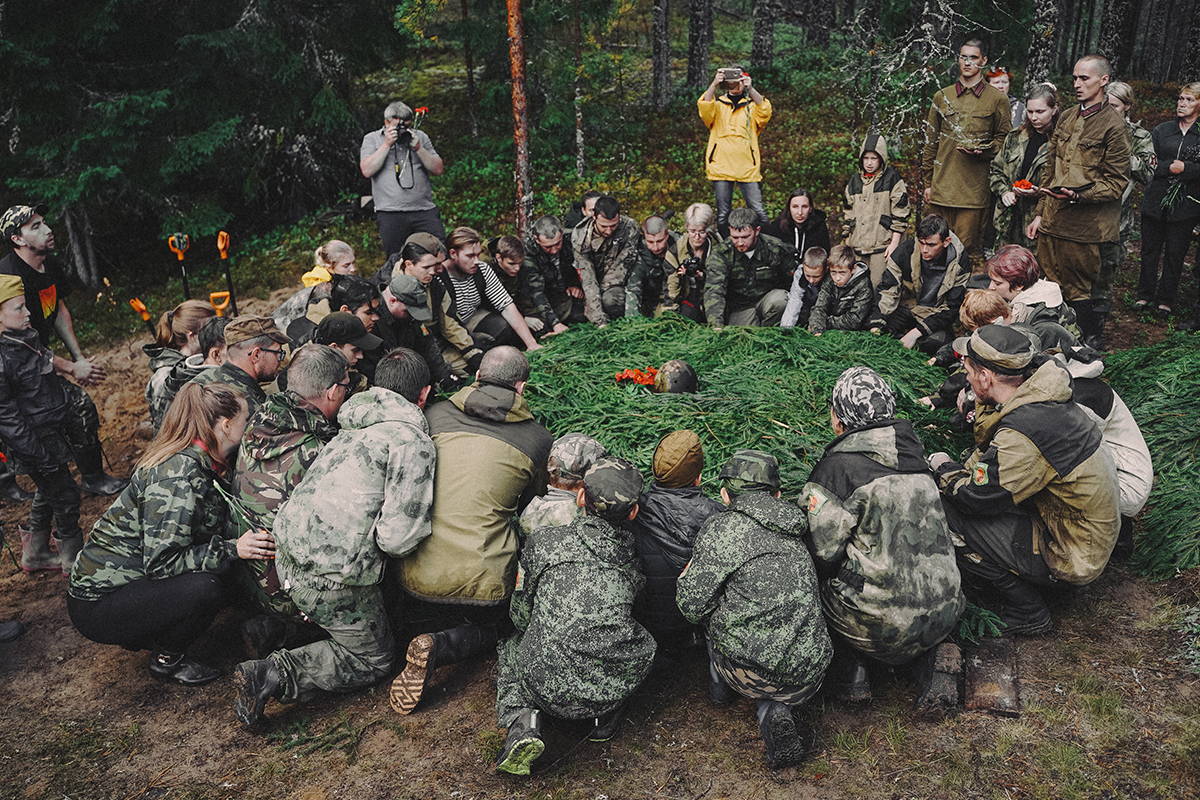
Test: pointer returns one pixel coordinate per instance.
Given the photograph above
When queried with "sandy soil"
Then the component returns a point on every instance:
(1107, 710)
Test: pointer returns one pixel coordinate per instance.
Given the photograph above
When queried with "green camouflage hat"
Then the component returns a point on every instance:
(861, 397)
(750, 471)
(611, 488)
(573, 454)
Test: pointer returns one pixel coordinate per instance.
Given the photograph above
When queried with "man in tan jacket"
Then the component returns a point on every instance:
(966, 127)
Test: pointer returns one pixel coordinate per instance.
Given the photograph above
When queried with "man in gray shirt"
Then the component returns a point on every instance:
(399, 161)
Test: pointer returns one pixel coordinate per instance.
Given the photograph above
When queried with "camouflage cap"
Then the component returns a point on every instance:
(16, 217)
(611, 488)
(243, 328)
(574, 454)
(427, 242)
(11, 286)
(412, 293)
(750, 471)
(678, 459)
(861, 397)
(1000, 348)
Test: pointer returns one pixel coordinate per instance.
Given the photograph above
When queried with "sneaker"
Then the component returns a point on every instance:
(523, 744)
(168, 667)
(256, 683)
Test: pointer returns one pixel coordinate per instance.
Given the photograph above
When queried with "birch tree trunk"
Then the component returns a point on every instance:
(579, 162)
(661, 39)
(1043, 45)
(516, 57)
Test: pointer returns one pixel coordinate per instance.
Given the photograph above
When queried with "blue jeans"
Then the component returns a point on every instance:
(752, 193)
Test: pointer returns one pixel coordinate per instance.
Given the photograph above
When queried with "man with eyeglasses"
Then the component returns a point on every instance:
(966, 126)
(253, 355)
(399, 160)
(282, 440)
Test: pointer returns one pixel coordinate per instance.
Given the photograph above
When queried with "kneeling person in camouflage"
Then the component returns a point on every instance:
(752, 585)
(577, 653)
(366, 497)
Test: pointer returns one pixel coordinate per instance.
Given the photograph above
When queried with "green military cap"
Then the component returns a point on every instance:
(611, 488)
(574, 454)
(245, 327)
(1000, 348)
(750, 471)
(861, 397)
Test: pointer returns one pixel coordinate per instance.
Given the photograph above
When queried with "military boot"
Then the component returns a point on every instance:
(35, 551)
(607, 724)
(428, 651)
(1023, 610)
(92, 478)
(68, 551)
(786, 746)
(523, 744)
(848, 678)
(256, 682)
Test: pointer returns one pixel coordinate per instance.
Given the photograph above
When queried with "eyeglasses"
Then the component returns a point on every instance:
(344, 384)
(278, 353)
(968, 59)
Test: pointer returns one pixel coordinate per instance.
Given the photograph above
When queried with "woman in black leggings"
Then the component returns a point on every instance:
(149, 575)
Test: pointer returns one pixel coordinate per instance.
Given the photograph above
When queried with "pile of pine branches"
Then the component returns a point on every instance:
(1161, 384)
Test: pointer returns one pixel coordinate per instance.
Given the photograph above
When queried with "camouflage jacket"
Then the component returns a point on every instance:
(158, 399)
(903, 280)
(1011, 221)
(844, 308)
(646, 285)
(181, 373)
(751, 582)
(573, 607)
(282, 440)
(236, 377)
(367, 496)
(170, 520)
(1039, 451)
(556, 508)
(733, 282)
(878, 535)
(1142, 163)
(555, 275)
(603, 263)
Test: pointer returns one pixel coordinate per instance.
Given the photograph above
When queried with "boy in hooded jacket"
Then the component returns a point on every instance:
(877, 207)
(846, 298)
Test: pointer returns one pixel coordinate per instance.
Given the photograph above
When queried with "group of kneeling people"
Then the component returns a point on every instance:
(356, 521)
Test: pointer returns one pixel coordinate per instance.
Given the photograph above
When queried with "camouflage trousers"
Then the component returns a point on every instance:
(521, 685)
(766, 313)
(360, 649)
(749, 683)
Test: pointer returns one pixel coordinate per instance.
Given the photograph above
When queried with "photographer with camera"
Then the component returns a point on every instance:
(399, 159)
(732, 156)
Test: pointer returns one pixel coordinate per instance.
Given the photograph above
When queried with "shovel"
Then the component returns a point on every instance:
(223, 247)
(178, 243)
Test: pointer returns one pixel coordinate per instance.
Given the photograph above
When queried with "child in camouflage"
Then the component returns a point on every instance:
(577, 653)
(34, 413)
(751, 583)
(570, 458)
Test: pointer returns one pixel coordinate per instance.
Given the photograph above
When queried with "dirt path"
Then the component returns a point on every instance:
(1107, 711)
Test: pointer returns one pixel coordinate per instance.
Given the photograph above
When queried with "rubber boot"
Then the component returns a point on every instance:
(256, 682)
(35, 551)
(1095, 340)
(523, 743)
(428, 651)
(9, 490)
(1023, 610)
(1085, 317)
(92, 478)
(68, 551)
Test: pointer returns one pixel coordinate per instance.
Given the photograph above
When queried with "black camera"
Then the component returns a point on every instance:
(404, 139)
(693, 267)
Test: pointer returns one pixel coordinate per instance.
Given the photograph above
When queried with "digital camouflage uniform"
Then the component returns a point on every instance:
(556, 274)
(603, 265)
(751, 583)
(890, 586)
(366, 497)
(734, 282)
(571, 456)
(556, 508)
(578, 653)
(1011, 221)
(170, 520)
(282, 440)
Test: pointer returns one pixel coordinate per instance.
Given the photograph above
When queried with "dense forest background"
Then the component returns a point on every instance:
(137, 118)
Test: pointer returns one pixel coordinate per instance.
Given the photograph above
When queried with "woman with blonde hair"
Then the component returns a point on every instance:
(149, 576)
(175, 338)
(335, 257)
